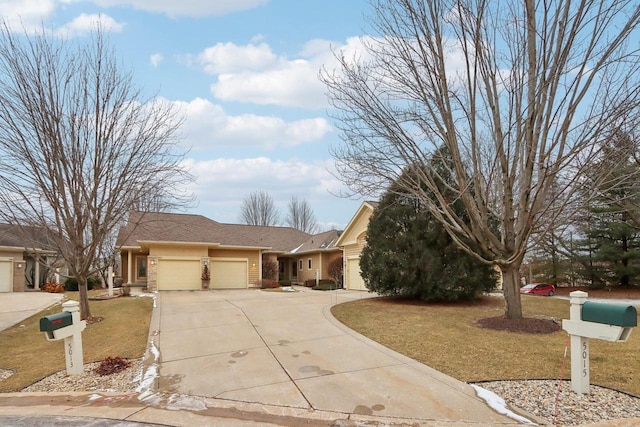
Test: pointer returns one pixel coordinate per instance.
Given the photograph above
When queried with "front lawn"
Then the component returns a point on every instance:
(447, 338)
(122, 332)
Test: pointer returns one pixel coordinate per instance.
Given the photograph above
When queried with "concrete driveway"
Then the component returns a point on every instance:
(285, 350)
(17, 306)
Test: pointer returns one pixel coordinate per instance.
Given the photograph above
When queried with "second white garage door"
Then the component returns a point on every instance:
(229, 274)
(178, 274)
(6, 275)
(354, 279)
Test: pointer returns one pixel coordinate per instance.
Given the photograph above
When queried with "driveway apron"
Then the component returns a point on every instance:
(287, 350)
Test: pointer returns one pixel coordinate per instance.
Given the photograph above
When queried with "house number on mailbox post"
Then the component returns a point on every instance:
(609, 322)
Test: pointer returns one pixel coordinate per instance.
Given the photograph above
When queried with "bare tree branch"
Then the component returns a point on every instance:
(520, 93)
(301, 216)
(258, 209)
(80, 146)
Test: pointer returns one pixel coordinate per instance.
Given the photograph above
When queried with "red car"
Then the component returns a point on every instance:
(538, 289)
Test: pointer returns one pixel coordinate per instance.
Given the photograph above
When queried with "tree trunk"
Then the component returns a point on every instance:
(84, 298)
(511, 290)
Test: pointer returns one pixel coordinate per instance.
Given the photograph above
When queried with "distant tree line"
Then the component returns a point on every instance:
(258, 208)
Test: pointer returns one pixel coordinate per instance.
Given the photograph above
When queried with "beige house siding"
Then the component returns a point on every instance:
(327, 258)
(16, 255)
(353, 240)
(305, 273)
(319, 262)
(178, 251)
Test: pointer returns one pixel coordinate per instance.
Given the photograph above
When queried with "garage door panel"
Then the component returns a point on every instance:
(355, 280)
(175, 275)
(6, 277)
(229, 274)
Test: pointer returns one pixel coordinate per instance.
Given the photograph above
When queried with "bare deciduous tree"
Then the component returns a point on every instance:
(80, 147)
(258, 209)
(518, 92)
(301, 216)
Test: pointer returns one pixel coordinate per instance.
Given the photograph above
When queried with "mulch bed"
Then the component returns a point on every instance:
(527, 325)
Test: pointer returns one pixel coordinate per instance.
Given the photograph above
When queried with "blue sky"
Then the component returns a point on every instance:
(244, 75)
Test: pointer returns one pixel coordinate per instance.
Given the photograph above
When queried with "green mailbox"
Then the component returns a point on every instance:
(610, 314)
(55, 321)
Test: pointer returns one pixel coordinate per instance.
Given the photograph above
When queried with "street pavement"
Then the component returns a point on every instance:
(253, 357)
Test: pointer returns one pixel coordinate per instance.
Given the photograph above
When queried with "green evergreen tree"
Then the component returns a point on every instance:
(610, 250)
(409, 253)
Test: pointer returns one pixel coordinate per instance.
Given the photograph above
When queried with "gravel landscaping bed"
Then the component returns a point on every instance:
(124, 381)
(538, 397)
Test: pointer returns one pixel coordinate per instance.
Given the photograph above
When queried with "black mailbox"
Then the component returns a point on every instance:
(55, 321)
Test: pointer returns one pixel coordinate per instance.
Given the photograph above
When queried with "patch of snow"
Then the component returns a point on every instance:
(150, 374)
(287, 289)
(177, 402)
(296, 249)
(93, 397)
(498, 404)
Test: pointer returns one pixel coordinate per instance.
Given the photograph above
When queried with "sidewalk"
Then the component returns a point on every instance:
(17, 306)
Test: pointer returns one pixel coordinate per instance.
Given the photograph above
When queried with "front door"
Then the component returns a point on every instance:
(141, 268)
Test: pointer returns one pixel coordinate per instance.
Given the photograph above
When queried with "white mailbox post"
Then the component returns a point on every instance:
(68, 326)
(609, 322)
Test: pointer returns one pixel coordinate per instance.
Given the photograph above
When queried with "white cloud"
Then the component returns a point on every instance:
(26, 13)
(29, 16)
(193, 8)
(208, 126)
(27, 9)
(229, 58)
(254, 74)
(156, 59)
(85, 23)
(224, 182)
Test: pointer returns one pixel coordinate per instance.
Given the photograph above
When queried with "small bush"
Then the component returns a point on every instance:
(53, 288)
(270, 270)
(94, 283)
(285, 282)
(71, 284)
(335, 270)
(112, 365)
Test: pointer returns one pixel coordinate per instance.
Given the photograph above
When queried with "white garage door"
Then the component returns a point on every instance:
(229, 274)
(178, 275)
(354, 279)
(6, 276)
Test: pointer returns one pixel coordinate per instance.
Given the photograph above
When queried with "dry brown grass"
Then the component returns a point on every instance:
(123, 332)
(446, 337)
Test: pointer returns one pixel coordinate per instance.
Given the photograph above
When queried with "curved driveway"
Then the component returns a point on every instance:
(285, 350)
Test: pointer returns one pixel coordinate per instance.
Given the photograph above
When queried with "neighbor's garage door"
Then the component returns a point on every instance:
(354, 279)
(178, 275)
(5, 276)
(229, 274)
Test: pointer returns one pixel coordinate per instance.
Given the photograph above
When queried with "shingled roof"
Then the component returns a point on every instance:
(186, 228)
(318, 242)
(25, 237)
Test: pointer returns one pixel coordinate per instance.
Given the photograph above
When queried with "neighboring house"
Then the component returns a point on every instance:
(352, 241)
(167, 251)
(26, 258)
